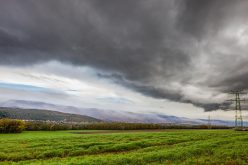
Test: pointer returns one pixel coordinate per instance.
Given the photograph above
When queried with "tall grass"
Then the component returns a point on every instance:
(168, 147)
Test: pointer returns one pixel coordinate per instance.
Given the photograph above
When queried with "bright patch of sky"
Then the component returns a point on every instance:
(23, 87)
(64, 84)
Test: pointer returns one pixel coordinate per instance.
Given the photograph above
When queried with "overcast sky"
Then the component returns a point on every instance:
(176, 57)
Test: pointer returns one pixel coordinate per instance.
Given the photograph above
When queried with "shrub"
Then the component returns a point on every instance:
(11, 126)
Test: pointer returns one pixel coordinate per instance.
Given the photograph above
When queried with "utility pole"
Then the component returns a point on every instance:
(209, 122)
(238, 111)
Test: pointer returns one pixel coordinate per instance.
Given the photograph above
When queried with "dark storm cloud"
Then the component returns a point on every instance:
(197, 16)
(146, 42)
(142, 88)
(131, 37)
(160, 93)
(110, 35)
(200, 18)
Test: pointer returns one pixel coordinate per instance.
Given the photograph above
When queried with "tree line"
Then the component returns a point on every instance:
(17, 126)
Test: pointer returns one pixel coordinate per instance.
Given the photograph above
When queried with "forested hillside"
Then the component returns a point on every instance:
(44, 115)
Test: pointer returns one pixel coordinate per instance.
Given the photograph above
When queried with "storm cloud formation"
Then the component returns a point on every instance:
(181, 50)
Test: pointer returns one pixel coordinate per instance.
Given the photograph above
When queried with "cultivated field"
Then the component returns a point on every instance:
(133, 147)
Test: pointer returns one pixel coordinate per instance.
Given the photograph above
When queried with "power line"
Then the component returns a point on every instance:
(238, 111)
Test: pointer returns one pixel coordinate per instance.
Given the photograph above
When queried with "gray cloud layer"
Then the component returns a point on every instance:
(148, 46)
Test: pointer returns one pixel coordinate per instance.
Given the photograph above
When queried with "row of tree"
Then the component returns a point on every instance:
(16, 126)
(39, 125)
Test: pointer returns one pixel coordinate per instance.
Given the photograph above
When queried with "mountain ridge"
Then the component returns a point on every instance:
(111, 115)
(43, 115)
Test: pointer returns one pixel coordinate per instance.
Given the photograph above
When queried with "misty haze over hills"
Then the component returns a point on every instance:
(110, 115)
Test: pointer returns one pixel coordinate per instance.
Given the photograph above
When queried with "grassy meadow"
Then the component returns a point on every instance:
(125, 147)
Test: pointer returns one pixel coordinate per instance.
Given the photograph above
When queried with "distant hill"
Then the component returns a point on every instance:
(102, 114)
(44, 115)
(112, 115)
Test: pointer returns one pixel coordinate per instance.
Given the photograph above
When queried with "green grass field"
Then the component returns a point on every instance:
(166, 147)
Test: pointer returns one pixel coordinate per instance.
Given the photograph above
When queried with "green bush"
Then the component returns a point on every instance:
(11, 126)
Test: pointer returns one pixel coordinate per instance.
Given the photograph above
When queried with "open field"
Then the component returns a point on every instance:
(129, 147)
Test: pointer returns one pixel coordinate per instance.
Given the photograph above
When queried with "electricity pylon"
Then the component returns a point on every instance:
(238, 110)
